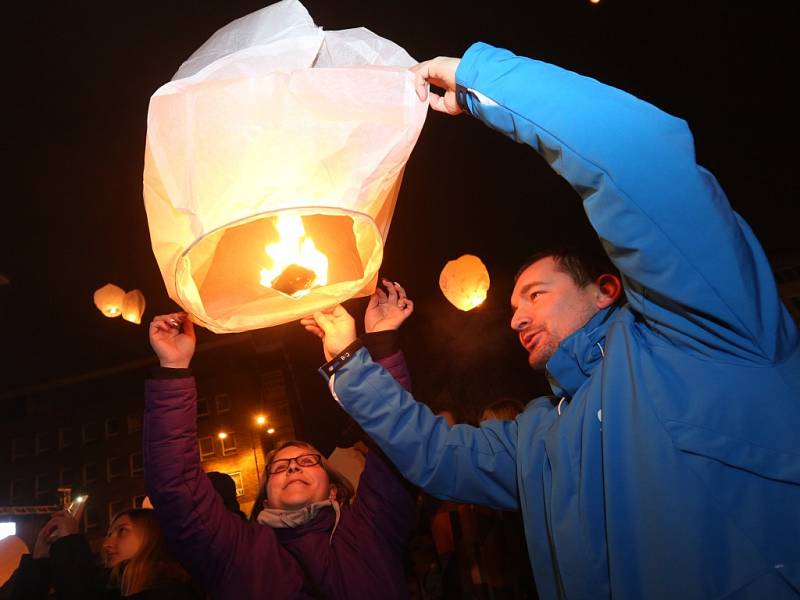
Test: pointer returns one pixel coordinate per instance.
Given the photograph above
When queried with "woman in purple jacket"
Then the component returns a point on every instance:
(308, 542)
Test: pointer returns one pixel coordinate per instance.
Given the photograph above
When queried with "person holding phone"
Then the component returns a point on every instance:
(135, 561)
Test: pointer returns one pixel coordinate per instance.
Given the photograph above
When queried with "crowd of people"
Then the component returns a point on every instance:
(664, 465)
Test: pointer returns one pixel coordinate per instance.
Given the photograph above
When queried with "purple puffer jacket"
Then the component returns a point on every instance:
(232, 558)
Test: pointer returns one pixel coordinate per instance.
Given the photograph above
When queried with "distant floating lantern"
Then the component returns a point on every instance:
(133, 306)
(270, 177)
(109, 299)
(464, 282)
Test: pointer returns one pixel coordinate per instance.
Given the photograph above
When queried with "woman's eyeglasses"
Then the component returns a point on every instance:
(304, 460)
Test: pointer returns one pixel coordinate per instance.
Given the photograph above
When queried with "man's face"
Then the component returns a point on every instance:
(548, 307)
(298, 486)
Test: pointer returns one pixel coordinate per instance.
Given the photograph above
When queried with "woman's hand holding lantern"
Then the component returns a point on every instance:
(337, 329)
(387, 310)
(173, 340)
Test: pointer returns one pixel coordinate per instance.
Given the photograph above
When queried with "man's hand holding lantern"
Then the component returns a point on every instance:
(337, 329)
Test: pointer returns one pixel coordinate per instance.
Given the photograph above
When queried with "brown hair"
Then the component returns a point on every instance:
(151, 562)
(344, 489)
(583, 267)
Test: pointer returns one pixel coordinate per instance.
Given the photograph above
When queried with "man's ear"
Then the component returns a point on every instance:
(609, 289)
(332, 495)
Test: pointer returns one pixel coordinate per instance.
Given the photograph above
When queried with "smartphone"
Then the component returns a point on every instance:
(72, 510)
(75, 506)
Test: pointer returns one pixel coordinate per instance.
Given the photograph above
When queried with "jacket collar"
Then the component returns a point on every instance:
(578, 355)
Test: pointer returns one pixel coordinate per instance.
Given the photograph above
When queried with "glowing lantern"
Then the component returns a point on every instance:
(273, 163)
(464, 282)
(133, 306)
(109, 299)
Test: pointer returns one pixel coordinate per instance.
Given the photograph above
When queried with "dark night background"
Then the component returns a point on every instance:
(77, 81)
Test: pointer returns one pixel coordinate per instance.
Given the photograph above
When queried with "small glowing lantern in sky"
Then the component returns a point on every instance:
(133, 306)
(109, 299)
(464, 282)
(272, 167)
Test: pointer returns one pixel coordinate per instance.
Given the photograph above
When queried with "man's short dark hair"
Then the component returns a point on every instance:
(582, 266)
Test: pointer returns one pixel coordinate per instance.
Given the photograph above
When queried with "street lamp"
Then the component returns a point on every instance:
(260, 421)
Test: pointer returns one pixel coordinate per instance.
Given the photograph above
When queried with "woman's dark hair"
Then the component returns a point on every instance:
(344, 489)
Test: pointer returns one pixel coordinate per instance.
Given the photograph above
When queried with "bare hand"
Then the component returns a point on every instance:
(61, 524)
(387, 310)
(173, 340)
(441, 72)
(335, 327)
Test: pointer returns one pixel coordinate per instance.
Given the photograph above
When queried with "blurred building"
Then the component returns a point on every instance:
(85, 432)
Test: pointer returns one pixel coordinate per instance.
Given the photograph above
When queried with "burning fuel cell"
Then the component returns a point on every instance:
(298, 265)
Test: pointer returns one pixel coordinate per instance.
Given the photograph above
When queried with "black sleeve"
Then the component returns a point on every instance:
(31, 580)
(76, 575)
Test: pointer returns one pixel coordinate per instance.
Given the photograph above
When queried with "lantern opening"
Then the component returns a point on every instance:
(254, 267)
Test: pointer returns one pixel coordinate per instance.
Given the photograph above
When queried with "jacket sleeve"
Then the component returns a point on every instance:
(211, 542)
(462, 463)
(386, 500)
(691, 266)
(75, 574)
(30, 581)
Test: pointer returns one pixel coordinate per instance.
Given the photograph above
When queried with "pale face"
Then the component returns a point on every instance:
(298, 486)
(121, 542)
(548, 307)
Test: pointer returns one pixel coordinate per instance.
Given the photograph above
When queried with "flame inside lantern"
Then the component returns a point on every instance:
(297, 264)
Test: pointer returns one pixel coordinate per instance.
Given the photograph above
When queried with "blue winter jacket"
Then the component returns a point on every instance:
(672, 468)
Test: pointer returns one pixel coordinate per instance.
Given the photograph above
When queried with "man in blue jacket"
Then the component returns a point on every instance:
(668, 463)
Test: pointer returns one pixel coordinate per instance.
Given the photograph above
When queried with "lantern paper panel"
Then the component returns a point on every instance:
(465, 282)
(133, 306)
(257, 131)
(108, 299)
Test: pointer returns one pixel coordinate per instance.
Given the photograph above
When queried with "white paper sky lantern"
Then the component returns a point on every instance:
(270, 177)
(133, 306)
(464, 282)
(109, 300)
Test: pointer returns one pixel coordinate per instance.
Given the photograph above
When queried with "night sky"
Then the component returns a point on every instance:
(78, 77)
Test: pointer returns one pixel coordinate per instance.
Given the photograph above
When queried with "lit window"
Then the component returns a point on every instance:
(237, 479)
(229, 445)
(137, 464)
(7, 529)
(206, 447)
